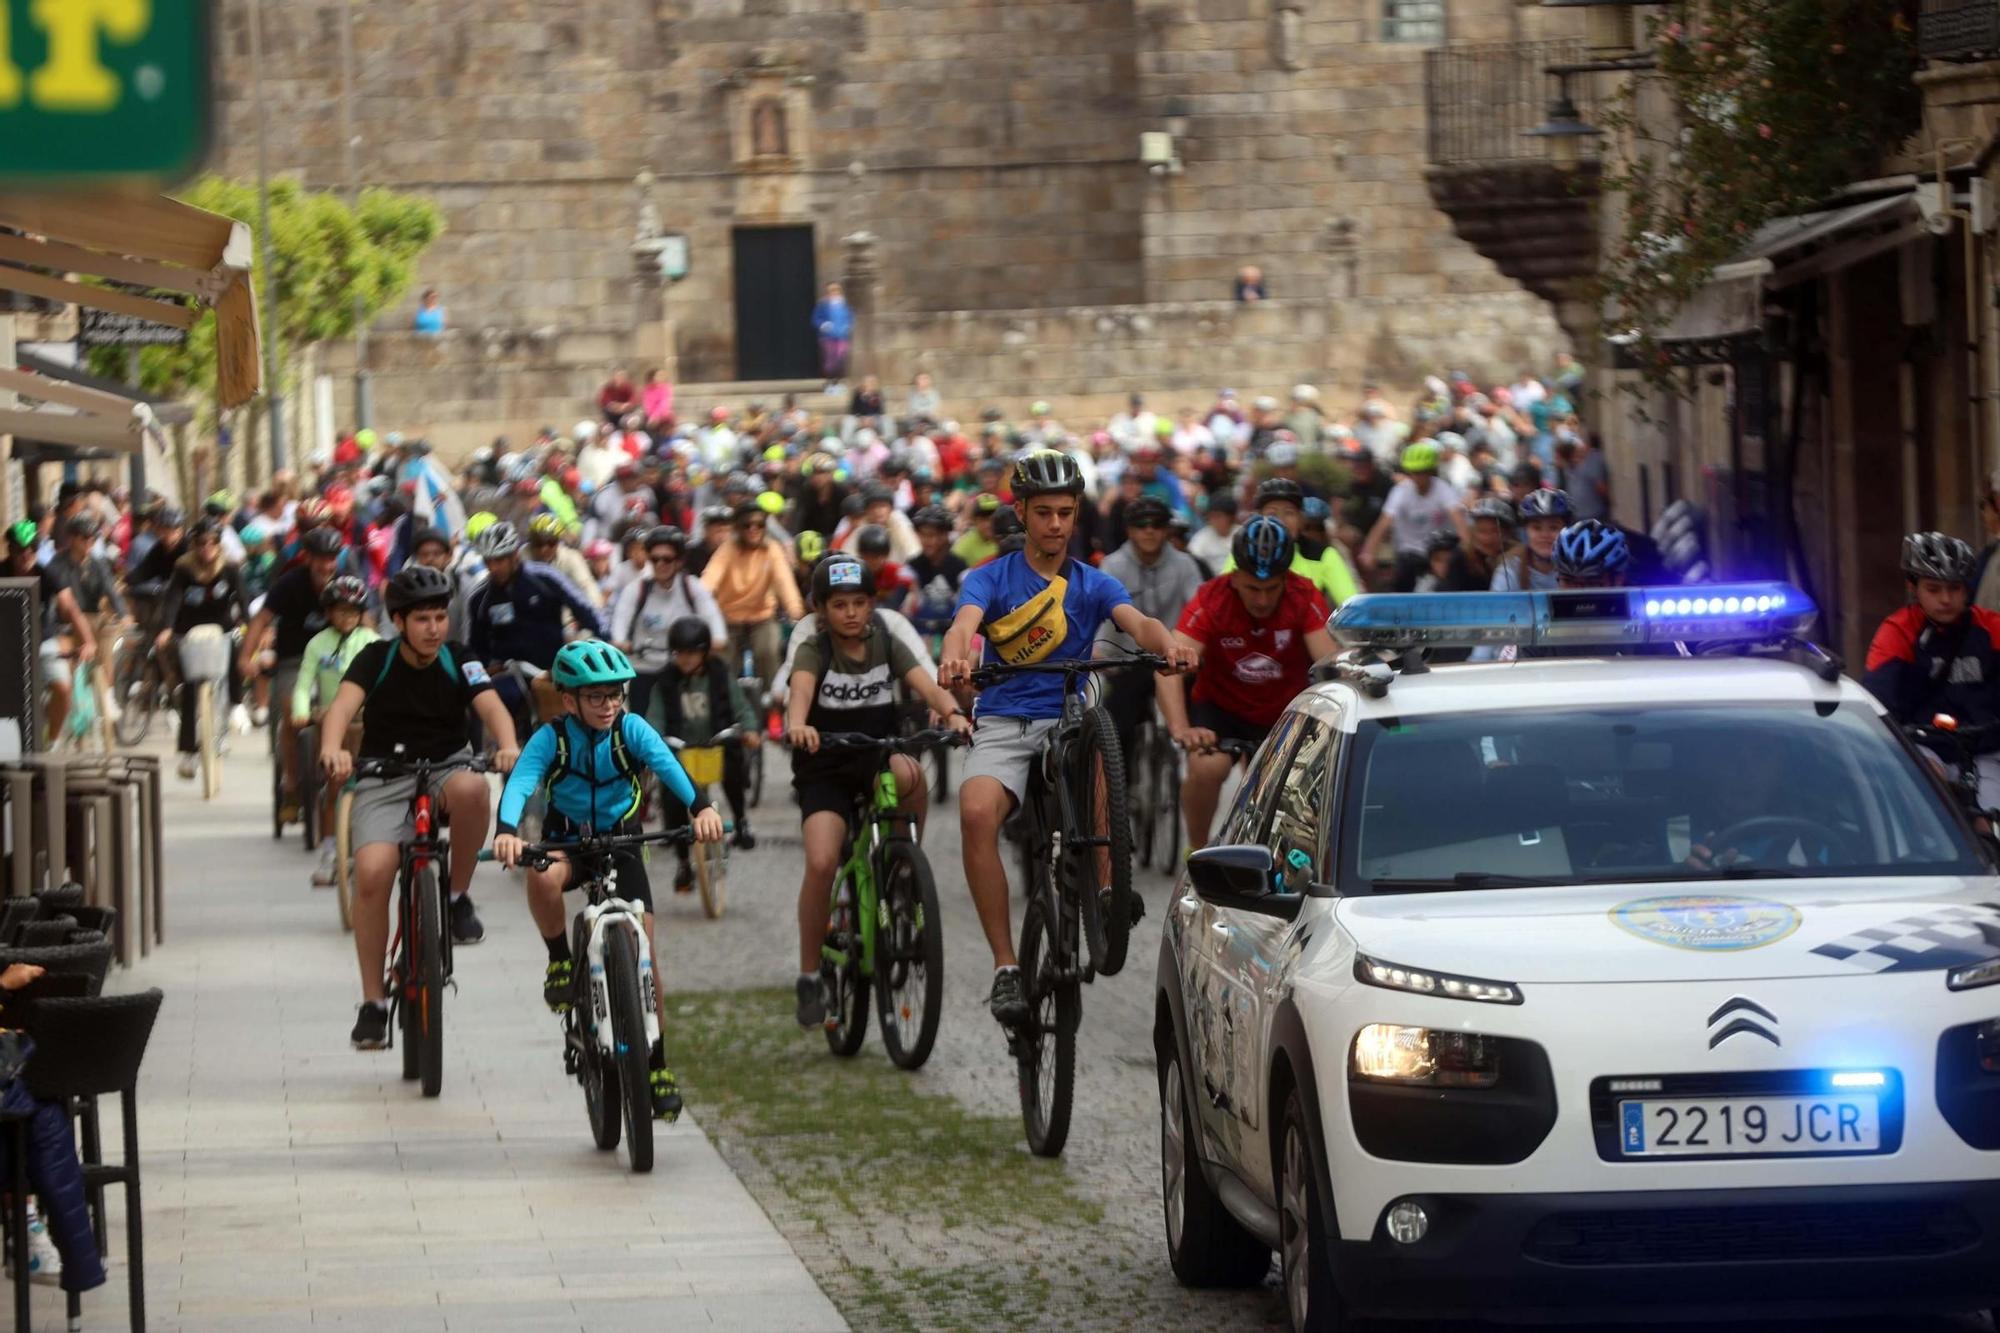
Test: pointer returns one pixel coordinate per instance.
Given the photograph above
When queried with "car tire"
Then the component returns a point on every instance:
(1305, 1250)
(1206, 1246)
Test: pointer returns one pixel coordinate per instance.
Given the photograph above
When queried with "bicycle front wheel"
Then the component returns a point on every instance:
(1145, 796)
(343, 856)
(138, 692)
(427, 1022)
(628, 1044)
(847, 989)
(1099, 868)
(1045, 1049)
(909, 958)
(204, 739)
(711, 875)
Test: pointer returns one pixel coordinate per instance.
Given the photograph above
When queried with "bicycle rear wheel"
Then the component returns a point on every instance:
(1100, 872)
(1145, 796)
(427, 1023)
(711, 875)
(909, 957)
(308, 786)
(1045, 1048)
(847, 989)
(629, 1046)
(343, 856)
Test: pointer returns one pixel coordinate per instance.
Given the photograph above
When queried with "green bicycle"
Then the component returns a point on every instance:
(884, 931)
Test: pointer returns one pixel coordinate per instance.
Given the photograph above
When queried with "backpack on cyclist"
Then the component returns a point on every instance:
(622, 763)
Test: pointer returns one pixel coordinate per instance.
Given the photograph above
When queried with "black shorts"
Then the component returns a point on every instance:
(1226, 726)
(633, 885)
(833, 787)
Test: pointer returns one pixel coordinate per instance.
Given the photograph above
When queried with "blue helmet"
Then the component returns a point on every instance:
(1591, 550)
(1263, 547)
(1546, 503)
(1316, 510)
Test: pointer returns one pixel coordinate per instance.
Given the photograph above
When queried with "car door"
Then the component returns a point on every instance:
(1215, 973)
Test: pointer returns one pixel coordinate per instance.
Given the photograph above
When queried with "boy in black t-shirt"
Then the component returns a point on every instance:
(935, 571)
(417, 688)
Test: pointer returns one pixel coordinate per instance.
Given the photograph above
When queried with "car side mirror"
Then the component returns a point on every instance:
(1242, 879)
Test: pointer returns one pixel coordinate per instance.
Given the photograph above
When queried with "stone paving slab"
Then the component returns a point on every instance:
(293, 1183)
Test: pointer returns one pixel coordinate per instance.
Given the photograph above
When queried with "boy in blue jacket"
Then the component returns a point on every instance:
(590, 760)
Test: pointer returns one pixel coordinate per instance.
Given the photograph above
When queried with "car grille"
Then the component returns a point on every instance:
(1750, 1235)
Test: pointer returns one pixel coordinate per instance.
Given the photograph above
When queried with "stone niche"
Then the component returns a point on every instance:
(769, 109)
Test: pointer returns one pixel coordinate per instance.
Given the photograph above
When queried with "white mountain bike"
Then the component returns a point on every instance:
(205, 664)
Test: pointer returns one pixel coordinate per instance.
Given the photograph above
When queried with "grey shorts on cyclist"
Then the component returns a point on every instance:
(382, 806)
(1004, 749)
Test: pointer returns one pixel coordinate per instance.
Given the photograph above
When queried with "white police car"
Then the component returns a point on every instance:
(1589, 987)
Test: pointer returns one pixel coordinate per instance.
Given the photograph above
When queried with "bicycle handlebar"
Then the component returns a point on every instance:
(1228, 746)
(723, 737)
(922, 740)
(541, 855)
(407, 768)
(1081, 666)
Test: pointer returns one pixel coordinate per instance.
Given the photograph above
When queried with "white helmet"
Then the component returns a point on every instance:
(585, 432)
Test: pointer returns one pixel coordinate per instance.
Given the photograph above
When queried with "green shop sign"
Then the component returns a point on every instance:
(94, 90)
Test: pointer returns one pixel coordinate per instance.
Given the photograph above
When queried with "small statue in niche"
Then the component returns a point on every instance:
(768, 133)
(650, 228)
(1288, 34)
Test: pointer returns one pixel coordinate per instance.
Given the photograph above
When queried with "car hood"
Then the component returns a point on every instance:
(1680, 932)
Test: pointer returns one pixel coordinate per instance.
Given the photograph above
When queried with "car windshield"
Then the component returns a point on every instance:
(1566, 796)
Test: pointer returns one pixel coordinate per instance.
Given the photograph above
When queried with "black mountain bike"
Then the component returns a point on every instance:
(1155, 772)
(420, 951)
(1076, 924)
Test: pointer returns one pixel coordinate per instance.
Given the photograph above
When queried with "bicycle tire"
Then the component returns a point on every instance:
(910, 951)
(711, 876)
(277, 800)
(1046, 1046)
(756, 777)
(602, 1100)
(400, 995)
(847, 989)
(138, 693)
(1101, 810)
(308, 787)
(428, 1020)
(343, 857)
(628, 1040)
(204, 739)
(1146, 797)
(1171, 798)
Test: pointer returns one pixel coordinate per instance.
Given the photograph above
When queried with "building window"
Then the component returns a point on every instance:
(1413, 21)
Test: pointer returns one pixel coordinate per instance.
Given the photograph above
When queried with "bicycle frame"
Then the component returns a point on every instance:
(419, 853)
(860, 868)
(605, 912)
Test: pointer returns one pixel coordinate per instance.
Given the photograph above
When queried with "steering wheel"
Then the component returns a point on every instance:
(1809, 831)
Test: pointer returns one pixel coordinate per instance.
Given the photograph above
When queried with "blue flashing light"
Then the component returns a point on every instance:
(1582, 618)
(1859, 1078)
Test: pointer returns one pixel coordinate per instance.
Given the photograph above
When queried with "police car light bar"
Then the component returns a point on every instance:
(1585, 617)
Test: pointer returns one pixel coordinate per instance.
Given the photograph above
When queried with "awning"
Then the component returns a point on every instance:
(1797, 249)
(80, 414)
(146, 241)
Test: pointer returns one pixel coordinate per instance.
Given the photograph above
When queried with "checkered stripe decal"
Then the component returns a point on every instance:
(1926, 942)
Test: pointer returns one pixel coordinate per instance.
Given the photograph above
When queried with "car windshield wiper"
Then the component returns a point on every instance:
(1464, 879)
(1735, 872)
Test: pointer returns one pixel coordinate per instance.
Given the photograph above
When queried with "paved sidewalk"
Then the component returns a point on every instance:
(291, 1182)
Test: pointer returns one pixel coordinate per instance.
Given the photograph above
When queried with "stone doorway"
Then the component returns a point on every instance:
(776, 287)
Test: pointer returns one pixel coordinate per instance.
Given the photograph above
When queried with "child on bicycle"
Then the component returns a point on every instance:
(324, 665)
(589, 761)
(843, 680)
(1033, 605)
(695, 697)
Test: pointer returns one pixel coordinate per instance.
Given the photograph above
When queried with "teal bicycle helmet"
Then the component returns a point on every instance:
(590, 662)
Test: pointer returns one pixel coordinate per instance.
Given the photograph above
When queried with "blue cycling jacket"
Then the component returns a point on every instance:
(522, 622)
(593, 794)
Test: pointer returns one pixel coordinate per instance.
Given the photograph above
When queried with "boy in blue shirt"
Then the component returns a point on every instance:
(1033, 605)
(590, 759)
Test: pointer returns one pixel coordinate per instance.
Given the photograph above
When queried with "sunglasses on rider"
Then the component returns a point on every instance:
(668, 559)
(1139, 523)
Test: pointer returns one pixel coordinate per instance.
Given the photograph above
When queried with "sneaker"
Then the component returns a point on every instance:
(260, 717)
(812, 1002)
(557, 983)
(371, 1027)
(684, 878)
(239, 719)
(1009, 1001)
(666, 1095)
(465, 927)
(187, 766)
(44, 1262)
(327, 873)
(743, 839)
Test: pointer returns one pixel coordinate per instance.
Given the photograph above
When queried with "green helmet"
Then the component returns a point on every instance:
(590, 662)
(24, 535)
(479, 522)
(1420, 457)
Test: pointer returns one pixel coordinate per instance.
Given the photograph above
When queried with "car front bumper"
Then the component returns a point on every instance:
(1605, 1257)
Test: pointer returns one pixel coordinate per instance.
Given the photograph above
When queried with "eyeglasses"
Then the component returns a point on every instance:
(666, 559)
(751, 527)
(600, 698)
(1142, 524)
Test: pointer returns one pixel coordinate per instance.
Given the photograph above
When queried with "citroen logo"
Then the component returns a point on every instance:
(1746, 1012)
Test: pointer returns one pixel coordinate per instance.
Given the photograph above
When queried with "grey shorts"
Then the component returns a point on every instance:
(1004, 749)
(382, 807)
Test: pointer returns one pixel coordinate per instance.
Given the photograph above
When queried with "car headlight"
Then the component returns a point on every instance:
(1973, 975)
(1425, 1057)
(1394, 976)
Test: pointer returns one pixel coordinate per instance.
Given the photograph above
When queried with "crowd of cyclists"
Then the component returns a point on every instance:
(772, 575)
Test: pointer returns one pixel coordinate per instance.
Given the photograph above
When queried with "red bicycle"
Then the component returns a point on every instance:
(420, 951)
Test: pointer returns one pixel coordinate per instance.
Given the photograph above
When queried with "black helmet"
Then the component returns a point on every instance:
(852, 506)
(872, 539)
(82, 525)
(416, 586)
(1046, 472)
(716, 514)
(1934, 555)
(874, 494)
(840, 573)
(1495, 508)
(1263, 548)
(689, 634)
(170, 517)
(347, 590)
(667, 535)
(323, 541)
(1007, 523)
(1278, 489)
(1444, 539)
(932, 516)
(423, 537)
(1147, 511)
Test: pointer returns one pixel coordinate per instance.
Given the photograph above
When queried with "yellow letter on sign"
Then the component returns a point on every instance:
(76, 77)
(10, 73)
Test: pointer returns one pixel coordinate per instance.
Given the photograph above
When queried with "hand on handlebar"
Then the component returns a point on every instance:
(959, 723)
(504, 758)
(507, 849)
(338, 763)
(707, 826)
(954, 671)
(804, 737)
(1181, 659)
(752, 739)
(1195, 738)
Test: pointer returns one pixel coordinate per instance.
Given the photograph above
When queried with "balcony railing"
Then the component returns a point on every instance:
(1958, 29)
(1483, 98)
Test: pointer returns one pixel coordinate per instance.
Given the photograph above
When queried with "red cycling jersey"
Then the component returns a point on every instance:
(1252, 668)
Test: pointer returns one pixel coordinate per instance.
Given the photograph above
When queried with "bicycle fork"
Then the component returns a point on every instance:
(596, 932)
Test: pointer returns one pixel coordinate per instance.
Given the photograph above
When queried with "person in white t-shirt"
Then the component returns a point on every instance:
(1419, 505)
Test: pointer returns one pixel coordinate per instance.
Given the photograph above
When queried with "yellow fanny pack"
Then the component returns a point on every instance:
(1031, 631)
